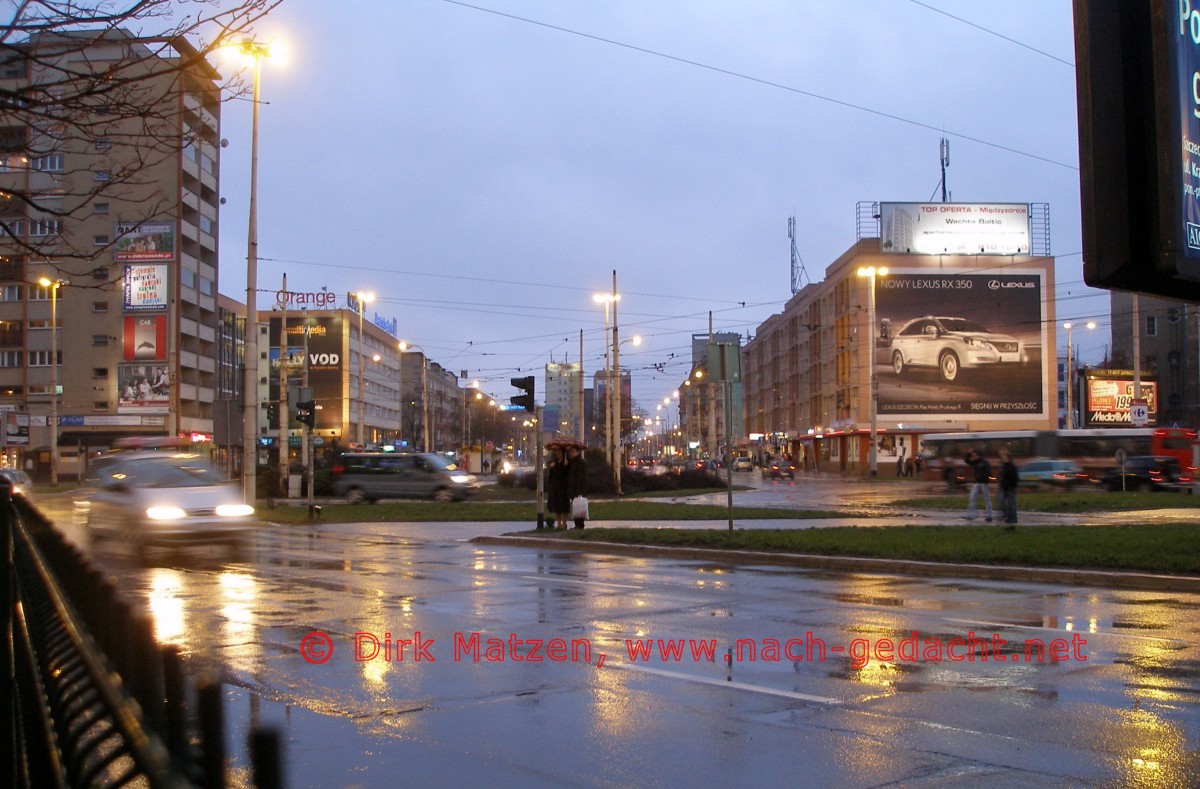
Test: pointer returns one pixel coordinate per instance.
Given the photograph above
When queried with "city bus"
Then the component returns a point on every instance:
(1095, 451)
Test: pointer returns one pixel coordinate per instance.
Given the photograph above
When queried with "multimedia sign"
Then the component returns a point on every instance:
(954, 228)
(1109, 398)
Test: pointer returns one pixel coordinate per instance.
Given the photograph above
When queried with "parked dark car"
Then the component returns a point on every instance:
(780, 468)
(1147, 472)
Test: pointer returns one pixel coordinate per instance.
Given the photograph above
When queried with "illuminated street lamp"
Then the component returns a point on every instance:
(1071, 373)
(362, 299)
(871, 272)
(256, 52)
(53, 285)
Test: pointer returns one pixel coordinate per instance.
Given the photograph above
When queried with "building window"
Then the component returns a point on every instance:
(13, 227)
(10, 293)
(208, 225)
(45, 227)
(99, 306)
(99, 372)
(43, 390)
(99, 240)
(100, 274)
(206, 286)
(12, 391)
(51, 163)
(102, 175)
(44, 358)
(187, 278)
(10, 359)
(99, 405)
(99, 339)
(1151, 325)
(11, 334)
(103, 144)
(12, 268)
(99, 208)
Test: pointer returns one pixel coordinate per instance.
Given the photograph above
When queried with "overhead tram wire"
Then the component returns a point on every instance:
(766, 82)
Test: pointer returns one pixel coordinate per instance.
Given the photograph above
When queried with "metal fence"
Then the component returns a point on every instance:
(91, 698)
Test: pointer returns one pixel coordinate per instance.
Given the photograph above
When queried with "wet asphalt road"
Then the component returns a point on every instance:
(1119, 704)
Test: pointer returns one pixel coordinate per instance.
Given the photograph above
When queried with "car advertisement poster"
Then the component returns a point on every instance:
(960, 344)
(1107, 399)
(954, 228)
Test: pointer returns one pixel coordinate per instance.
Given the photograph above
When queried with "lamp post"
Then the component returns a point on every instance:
(361, 299)
(1070, 373)
(608, 299)
(871, 272)
(256, 52)
(53, 285)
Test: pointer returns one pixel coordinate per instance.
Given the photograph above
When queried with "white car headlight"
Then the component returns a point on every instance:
(165, 513)
(235, 510)
(461, 479)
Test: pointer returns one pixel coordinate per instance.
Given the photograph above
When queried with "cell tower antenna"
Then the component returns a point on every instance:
(944, 150)
(798, 272)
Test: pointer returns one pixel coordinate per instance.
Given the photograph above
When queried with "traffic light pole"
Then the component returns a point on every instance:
(537, 427)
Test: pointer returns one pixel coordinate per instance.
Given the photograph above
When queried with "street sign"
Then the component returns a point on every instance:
(1120, 457)
(318, 441)
(1139, 412)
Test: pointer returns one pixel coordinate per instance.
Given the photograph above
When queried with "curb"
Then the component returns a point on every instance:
(1051, 575)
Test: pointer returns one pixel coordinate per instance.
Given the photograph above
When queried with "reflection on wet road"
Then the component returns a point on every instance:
(759, 674)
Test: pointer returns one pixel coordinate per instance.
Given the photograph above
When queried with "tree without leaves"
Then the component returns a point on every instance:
(91, 95)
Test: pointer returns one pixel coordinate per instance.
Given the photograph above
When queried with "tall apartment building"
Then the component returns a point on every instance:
(114, 195)
(564, 399)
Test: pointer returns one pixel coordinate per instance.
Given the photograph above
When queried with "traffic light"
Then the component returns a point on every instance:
(524, 400)
(272, 410)
(306, 412)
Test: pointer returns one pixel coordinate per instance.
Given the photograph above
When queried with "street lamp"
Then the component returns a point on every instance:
(871, 272)
(256, 51)
(609, 299)
(53, 285)
(361, 299)
(1070, 373)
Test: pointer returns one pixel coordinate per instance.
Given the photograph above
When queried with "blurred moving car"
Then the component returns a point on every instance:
(161, 498)
(1147, 472)
(743, 464)
(780, 468)
(950, 345)
(22, 484)
(1053, 473)
(370, 476)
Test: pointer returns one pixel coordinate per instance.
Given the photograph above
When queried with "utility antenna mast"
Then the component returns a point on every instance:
(945, 156)
(798, 272)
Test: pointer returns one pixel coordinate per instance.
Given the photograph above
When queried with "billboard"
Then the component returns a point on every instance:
(145, 287)
(325, 364)
(960, 344)
(144, 242)
(16, 429)
(143, 389)
(954, 228)
(145, 338)
(1107, 396)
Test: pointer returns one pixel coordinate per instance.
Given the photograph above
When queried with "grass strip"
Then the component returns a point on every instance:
(623, 510)
(1066, 501)
(1159, 548)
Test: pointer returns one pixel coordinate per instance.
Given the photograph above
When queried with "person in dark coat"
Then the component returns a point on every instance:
(576, 478)
(557, 500)
(983, 475)
(1009, 479)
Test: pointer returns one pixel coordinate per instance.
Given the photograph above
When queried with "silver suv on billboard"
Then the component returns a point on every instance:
(951, 345)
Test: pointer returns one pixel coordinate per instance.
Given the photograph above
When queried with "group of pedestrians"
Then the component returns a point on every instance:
(1009, 479)
(566, 480)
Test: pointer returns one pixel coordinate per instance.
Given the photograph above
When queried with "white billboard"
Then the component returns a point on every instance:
(954, 228)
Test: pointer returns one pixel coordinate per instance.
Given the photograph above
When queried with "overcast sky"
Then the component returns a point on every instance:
(484, 168)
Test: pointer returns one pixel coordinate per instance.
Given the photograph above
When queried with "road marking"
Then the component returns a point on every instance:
(1107, 633)
(582, 583)
(787, 694)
